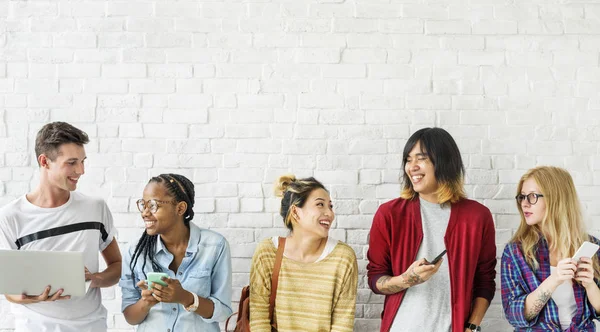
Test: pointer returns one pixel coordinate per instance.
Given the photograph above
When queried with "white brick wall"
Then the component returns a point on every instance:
(233, 94)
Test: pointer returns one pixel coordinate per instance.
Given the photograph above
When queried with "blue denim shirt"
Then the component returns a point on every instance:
(205, 270)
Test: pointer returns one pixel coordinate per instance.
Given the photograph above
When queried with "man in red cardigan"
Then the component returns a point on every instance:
(432, 215)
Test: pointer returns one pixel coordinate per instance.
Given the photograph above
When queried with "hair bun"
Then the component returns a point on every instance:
(283, 183)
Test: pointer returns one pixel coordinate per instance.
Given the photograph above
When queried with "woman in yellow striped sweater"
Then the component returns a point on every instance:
(318, 276)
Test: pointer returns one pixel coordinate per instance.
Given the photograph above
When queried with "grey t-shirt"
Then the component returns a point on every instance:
(427, 307)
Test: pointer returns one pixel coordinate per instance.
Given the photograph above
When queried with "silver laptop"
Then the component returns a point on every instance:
(30, 272)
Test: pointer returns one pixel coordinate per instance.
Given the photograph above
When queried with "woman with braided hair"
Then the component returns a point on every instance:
(198, 262)
(318, 275)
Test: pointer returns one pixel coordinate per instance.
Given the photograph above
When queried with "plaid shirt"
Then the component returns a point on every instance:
(518, 280)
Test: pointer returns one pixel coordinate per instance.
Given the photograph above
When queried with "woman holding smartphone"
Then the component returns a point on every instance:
(196, 292)
(537, 264)
(318, 275)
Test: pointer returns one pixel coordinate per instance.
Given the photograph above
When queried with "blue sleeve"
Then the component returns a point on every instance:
(220, 293)
(513, 294)
(595, 315)
(130, 293)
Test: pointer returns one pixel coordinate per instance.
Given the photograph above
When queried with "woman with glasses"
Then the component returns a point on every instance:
(543, 289)
(197, 295)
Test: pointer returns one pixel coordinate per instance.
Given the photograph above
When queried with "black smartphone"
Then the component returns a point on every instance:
(438, 257)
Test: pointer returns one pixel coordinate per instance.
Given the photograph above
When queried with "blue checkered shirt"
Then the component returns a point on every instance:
(519, 279)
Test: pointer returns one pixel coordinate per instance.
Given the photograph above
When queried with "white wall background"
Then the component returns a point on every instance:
(234, 93)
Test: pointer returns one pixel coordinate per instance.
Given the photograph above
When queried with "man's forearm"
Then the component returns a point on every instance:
(110, 276)
(480, 306)
(389, 285)
(19, 299)
(14, 298)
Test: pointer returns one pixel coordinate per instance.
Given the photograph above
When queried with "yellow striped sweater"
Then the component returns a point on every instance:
(315, 297)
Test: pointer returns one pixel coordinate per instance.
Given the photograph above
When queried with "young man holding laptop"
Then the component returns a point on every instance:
(54, 217)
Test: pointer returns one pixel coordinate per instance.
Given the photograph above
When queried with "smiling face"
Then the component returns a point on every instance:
(64, 171)
(421, 172)
(534, 213)
(168, 213)
(316, 216)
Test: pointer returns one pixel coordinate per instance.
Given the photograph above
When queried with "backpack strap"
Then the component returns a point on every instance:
(243, 311)
(275, 279)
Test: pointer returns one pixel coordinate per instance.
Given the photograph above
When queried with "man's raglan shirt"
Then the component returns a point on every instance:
(82, 224)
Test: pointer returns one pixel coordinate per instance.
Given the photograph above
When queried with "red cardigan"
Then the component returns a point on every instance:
(395, 238)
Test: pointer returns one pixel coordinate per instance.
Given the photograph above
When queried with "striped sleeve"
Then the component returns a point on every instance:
(342, 319)
(260, 287)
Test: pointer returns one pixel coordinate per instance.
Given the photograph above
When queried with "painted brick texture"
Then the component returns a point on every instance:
(233, 94)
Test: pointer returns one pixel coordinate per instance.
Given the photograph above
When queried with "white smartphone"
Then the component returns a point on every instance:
(587, 249)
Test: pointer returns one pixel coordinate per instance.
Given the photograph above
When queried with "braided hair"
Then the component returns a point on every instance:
(182, 189)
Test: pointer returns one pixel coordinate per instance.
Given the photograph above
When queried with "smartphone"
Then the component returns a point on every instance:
(587, 249)
(437, 258)
(155, 277)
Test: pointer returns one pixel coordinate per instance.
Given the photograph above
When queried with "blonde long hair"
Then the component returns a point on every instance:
(562, 225)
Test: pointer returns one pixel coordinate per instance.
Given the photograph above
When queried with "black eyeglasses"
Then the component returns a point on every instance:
(151, 204)
(532, 198)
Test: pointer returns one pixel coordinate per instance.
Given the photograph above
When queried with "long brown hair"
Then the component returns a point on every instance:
(447, 162)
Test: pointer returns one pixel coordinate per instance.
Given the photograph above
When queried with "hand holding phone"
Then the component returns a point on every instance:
(156, 277)
(587, 249)
(437, 258)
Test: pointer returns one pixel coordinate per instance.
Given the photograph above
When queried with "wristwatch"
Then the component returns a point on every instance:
(473, 327)
(194, 306)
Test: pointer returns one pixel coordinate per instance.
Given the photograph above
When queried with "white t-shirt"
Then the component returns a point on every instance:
(329, 246)
(81, 224)
(427, 307)
(564, 297)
